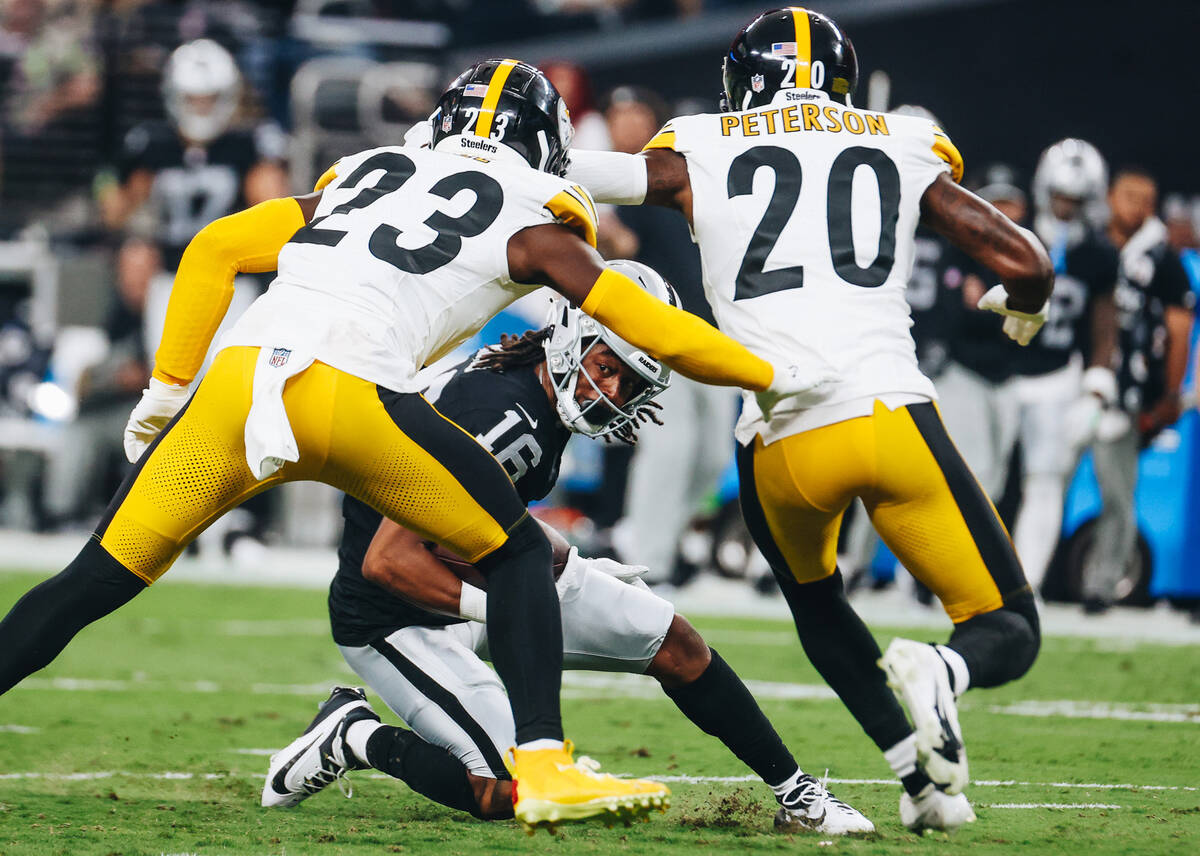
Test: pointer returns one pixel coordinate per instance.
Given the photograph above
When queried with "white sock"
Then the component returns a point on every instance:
(960, 675)
(785, 787)
(544, 743)
(903, 756)
(357, 736)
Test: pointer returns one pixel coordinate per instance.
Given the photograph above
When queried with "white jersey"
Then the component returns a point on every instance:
(406, 257)
(804, 212)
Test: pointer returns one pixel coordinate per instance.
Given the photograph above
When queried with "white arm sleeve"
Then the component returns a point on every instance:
(610, 176)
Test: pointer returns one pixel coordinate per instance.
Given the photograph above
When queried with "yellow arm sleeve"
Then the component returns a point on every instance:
(687, 344)
(246, 242)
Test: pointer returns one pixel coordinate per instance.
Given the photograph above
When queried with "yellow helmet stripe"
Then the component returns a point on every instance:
(483, 126)
(803, 47)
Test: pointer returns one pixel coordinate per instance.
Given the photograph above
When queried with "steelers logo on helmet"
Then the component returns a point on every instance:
(574, 334)
(786, 50)
(504, 110)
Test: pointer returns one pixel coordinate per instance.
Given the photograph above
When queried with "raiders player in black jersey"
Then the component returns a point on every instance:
(521, 400)
(996, 392)
(1154, 310)
(195, 168)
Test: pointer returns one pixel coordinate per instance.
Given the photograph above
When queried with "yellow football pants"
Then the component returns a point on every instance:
(922, 499)
(393, 451)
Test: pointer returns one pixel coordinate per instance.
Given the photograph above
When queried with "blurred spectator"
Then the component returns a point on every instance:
(674, 469)
(51, 87)
(1154, 308)
(176, 178)
(572, 83)
(107, 391)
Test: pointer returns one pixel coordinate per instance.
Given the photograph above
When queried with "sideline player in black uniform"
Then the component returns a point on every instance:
(193, 169)
(426, 665)
(1155, 312)
(997, 393)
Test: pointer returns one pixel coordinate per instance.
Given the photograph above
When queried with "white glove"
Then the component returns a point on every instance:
(1021, 327)
(628, 574)
(1082, 419)
(799, 385)
(160, 402)
(1114, 424)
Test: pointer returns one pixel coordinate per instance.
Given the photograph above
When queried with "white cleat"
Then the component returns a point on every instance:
(935, 809)
(320, 755)
(808, 807)
(920, 679)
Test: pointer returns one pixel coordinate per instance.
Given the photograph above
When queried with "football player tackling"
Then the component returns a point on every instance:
(804, 209)
(399, 615)
(399, 256)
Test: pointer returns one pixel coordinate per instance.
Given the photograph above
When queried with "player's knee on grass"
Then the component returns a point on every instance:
(1001, 645)
(492, 796)
(682, 657)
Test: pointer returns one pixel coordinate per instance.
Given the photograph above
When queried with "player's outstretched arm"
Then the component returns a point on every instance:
(654, 177)
(246, 242)
(554, 255)
(986, 235)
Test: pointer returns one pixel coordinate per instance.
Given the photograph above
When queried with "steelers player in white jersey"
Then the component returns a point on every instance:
(398, 257)
(804, 209)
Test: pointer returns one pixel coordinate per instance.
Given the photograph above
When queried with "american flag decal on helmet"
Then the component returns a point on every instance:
(475, 90)
(783, 48)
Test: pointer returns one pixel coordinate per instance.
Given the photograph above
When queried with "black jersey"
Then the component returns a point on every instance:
(1152, 279)
(194, 185)
(1083, 273)
(927, 298)
(510, 414)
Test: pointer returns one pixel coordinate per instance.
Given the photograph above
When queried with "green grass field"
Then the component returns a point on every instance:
(135, 741)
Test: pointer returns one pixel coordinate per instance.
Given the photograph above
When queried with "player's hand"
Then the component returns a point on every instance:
(1083, 416)
(798, 384)
(628, 574)
(160, 402)
(1021, 327)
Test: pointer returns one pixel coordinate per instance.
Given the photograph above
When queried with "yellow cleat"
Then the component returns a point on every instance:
(550, 788)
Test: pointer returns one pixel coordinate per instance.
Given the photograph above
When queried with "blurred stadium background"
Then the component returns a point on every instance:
(98, 197)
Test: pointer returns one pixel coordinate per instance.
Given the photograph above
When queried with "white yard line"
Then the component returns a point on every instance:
(673, 779)
(18, 729)
(1102, 710)
(1048, 805)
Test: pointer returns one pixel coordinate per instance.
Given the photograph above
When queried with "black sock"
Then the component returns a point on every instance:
(843, 650)
(719, 704)
(525, 630)
(1001, 645)
(42, 622)
(427, 769)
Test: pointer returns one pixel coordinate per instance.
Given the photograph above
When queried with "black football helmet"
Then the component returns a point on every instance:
(502, 106)
(789, 48)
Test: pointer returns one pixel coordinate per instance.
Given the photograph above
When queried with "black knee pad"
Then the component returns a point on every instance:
(1000, 646)
(524, 539)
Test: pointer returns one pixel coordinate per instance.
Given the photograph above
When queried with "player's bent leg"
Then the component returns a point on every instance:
(835, 639)
(49, 615)
(426, 473)
(709, 693)
(193, 472)
(933, 514)
(833, 636)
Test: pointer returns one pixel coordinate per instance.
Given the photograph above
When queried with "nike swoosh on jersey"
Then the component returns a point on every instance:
(532, 421)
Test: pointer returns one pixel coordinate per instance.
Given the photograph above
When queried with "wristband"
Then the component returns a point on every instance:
(472, 603)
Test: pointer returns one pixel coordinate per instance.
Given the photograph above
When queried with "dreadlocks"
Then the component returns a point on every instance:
(516, 352)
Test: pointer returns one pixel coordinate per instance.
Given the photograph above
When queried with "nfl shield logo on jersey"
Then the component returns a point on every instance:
(757, 83)
(279, 357)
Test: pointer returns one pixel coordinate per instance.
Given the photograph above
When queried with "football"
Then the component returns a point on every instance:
(467, 572)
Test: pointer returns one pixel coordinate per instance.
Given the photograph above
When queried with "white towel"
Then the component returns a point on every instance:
(270, 442)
